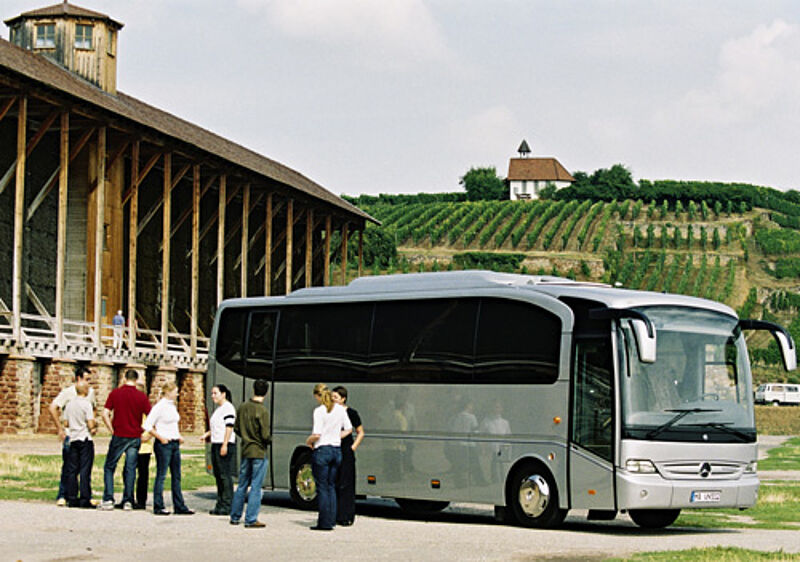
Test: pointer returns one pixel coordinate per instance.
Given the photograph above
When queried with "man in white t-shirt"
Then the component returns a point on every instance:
(79, 414)
(56, 410)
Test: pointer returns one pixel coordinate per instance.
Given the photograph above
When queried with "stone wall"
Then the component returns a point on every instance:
(58, 374)
(190, 402)
(16, 394)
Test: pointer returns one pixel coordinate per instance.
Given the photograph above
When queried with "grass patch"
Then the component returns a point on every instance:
(712, 554)
(785, 457)
(36, 477)
(778, 420)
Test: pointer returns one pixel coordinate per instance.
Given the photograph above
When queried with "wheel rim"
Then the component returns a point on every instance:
(304, 483)
(534, 495)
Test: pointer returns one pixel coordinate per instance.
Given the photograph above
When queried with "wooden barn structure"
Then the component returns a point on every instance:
(108, 203)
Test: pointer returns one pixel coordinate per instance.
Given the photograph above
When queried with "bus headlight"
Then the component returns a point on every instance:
(639, 465)
(751, 467)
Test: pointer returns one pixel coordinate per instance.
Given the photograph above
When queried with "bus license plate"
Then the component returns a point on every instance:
(706, 496)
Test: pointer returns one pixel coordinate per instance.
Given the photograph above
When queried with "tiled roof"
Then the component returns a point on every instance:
(63, 9)
(541, 169)
(17, 61)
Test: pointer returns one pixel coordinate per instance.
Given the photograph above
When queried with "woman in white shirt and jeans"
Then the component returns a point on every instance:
(330, 422)
(162, 423)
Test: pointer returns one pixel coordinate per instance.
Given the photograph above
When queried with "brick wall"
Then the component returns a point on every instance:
(57, 375)
(16, 394)
(190, 402)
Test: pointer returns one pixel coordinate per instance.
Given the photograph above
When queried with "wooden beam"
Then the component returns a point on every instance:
(117, 153)
(8, 105)
(268, 248)
(195, 259)
(61, 229)
(326, 268)
(142, 175)
(360, 251)
(344, 252)
(235, 228)
(222, 204)
(210, 224)
(157, 205)
(245, 239)
(133, 238)
(51, 181)
(187, 213)
(165, 254)
(19, 208)
(99, 235)
(289, 235)
(40, 133)
(309, 244)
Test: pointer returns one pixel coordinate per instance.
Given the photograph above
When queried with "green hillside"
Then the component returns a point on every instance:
(745, 256)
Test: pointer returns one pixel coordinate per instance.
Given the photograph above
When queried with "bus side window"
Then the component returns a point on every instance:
(230, 338)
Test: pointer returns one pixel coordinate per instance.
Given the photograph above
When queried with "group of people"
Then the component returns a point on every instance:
(333, 454)
(137, 430)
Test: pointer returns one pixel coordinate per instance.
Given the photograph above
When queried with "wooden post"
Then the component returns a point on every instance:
(345, 233)
(268, 249)
(309, 244)
(133, 238)
(223, 188)
(360, 251)
(195, 258)
(61, 230)
(166, 209)
(245, 237)
(19, 219)
(289, 231)
(99, 235)
(326, 269)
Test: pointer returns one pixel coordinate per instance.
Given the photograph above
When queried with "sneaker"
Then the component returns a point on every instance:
(61, 502)
(139, 506)
(94, 503)
(107, 505)
(127, 506)
(254, 525)
(234, 522)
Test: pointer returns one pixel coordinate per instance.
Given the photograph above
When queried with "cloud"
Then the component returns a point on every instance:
(393, 33)
(757, 76)
(487, 136)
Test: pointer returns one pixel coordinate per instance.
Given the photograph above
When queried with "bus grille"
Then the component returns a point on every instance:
(706, 470)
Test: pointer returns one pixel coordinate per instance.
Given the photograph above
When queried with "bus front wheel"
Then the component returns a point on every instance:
(533, 497)
(654, 518)
(302, 488)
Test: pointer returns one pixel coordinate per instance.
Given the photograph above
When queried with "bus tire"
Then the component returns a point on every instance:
(421, 507)
(302, 488)
(533, 497)
(776, 403)
(654, 518)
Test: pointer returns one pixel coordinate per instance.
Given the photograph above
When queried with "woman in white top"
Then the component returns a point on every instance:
(223, 447)
(162, 423)
(330, 423)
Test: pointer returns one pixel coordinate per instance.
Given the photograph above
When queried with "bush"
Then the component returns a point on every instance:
(489, 260)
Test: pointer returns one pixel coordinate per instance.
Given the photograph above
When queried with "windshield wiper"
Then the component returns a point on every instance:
(724, 427)
(682, 413)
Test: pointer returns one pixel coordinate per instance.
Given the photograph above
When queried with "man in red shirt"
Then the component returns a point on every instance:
(128, 404)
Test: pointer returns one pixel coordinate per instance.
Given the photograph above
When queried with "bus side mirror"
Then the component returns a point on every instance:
(782, 337)
(645, 340)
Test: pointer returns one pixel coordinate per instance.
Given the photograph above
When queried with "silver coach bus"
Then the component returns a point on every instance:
(533, 394)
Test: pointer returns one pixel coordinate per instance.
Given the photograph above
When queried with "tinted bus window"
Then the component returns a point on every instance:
(517, 343)
(322, 342)
(422, 341)
(261, 344)
(230, 338)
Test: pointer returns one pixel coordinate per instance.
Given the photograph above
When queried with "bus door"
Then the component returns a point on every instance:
(591, 467)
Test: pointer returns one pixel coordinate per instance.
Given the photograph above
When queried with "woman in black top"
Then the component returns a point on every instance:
(346, 486)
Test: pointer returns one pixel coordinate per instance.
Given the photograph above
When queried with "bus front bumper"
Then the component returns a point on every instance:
(652, 491)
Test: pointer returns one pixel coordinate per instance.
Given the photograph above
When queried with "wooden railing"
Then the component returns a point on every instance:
(79, 340)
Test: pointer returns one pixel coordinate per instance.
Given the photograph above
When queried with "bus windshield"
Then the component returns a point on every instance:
(698, 389)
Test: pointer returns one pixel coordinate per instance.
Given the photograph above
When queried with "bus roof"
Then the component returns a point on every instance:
(474, 281)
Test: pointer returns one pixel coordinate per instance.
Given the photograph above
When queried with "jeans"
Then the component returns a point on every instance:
(251, 474)
(325, 463)
(79, 465)
(129, 446)
(142, 478)
(223, 474)
(168, 456)
(62, 483)
(346, 484)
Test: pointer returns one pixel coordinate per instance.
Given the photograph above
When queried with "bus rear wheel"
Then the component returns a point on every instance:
(654, 518)
(302, 488)
(533, 497)
(421, 507)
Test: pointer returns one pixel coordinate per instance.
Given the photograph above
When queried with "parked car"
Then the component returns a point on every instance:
(778, 394)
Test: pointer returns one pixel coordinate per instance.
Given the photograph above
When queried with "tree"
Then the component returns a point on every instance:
(483, 184)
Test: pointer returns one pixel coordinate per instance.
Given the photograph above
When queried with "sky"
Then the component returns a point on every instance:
(405, 96)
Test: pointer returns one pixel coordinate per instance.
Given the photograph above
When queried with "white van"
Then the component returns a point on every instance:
(778, 393)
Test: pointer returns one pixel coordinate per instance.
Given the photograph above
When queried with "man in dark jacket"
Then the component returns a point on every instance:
(252, 427)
